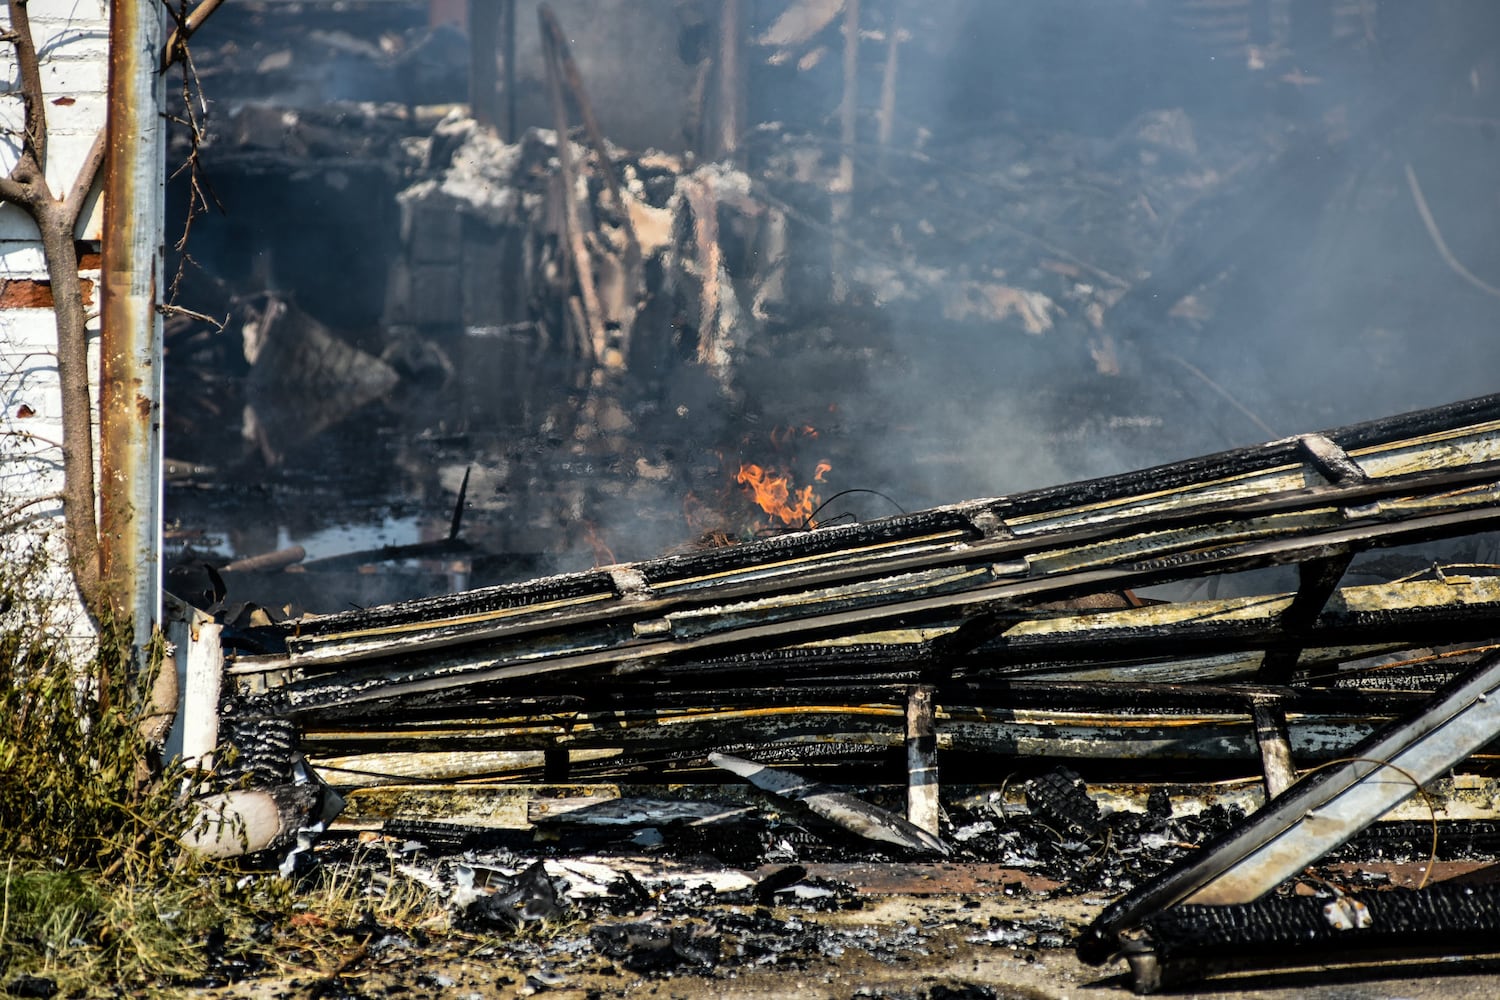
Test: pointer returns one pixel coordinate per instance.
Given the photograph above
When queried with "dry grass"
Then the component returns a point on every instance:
(95, 893)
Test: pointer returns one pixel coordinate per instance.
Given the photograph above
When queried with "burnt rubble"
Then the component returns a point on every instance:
(598, 703)
(650, 726)
(603, 359)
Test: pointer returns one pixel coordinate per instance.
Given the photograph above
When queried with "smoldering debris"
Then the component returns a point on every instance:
(572, 707)
(839, 808)
(1099, 711)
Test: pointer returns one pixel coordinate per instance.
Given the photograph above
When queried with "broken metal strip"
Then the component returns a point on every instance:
(834, 805)
(1322, 811)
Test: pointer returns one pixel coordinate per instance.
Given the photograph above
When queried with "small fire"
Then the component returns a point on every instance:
(774, 494)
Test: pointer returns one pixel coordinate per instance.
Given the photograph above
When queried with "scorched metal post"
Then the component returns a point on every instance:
(130, 378)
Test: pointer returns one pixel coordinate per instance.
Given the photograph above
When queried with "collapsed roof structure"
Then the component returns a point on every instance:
(951, 638)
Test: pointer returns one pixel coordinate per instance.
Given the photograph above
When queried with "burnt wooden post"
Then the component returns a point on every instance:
(484, 33)
(842, 203)
(1275, 746)
(731, 82)
(508, 38)
(921, 760)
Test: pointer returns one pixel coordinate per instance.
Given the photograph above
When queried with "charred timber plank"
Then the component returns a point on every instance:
(917, 599)
(1410, 614)
(1388, 449)
(1100, 698)
(1174, 539)
(1318, 579)
(514, 804)
(1365, 437)
(601, 600)
(1228, 736)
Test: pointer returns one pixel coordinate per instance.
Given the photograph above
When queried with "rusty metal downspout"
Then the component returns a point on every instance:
(130, 377)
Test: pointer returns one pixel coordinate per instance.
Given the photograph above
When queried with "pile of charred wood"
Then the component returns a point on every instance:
(971, 638)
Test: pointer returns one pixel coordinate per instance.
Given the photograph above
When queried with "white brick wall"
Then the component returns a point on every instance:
(72, 41)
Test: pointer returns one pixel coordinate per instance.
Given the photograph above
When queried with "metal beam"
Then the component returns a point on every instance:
(130, 378)
(1321, 812)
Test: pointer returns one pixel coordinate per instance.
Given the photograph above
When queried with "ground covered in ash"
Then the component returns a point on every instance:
(799, 910)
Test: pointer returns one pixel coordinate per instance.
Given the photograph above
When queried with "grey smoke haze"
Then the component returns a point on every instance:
(1322, 298)
(1105, 234)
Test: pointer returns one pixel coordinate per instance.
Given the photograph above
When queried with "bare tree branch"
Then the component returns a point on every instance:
(176, 46)
(35, 142)
(10, 512)
(12, 191)
(84, 182)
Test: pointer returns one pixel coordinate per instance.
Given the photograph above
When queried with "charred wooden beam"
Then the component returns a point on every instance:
(588, 641)
(1272, 476)
(904, 576)
(484, 31)
(1318, 579)
(516, 801)
(922, 807)
(1120, 732)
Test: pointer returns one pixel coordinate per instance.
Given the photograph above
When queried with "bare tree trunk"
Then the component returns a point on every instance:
(79, 488)
(26, 187)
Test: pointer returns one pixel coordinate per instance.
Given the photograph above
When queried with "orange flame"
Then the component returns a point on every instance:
(774, 494)
(603, 555)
